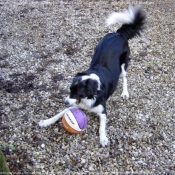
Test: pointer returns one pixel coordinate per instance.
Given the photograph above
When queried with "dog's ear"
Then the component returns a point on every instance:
(92, 86)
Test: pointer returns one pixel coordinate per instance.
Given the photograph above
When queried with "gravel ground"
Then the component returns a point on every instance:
(42, 45)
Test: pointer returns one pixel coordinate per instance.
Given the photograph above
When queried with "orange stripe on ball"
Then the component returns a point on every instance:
(68, 128)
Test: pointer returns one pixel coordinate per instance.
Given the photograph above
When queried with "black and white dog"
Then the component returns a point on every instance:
(91, 89)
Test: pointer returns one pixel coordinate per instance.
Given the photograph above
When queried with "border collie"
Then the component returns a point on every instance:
(91, 89)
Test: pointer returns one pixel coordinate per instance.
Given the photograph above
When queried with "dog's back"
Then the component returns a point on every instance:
(107, 59)
(108, 51)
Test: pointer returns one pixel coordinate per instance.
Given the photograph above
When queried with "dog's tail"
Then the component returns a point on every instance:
(133, 21)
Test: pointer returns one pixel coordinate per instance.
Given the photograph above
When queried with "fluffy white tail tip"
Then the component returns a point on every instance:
(125, 17)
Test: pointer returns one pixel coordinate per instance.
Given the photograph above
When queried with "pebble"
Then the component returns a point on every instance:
(42, 145)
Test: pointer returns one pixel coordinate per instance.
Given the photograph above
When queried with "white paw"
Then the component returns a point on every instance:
(125, 95)
(43, 123)
(104, 140)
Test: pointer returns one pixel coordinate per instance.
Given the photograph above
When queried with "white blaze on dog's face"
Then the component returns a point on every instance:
(83, 87)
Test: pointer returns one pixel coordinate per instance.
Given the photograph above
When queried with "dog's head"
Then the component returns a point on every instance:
(83, 88)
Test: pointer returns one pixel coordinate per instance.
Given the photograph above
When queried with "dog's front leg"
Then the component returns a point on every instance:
(50, 121)
(102, 130)
(101, 112)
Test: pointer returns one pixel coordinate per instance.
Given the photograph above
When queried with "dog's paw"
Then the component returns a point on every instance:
(104, 141)
(125, 95)
(43, 123)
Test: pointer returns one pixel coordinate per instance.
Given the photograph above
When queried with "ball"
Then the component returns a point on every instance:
(74, 121)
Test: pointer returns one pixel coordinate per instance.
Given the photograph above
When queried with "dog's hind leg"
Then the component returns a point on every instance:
(125, 93)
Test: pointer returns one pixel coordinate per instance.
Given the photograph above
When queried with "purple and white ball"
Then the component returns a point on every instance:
(74, 121)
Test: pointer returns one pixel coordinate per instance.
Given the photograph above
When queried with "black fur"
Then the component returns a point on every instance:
(111, 52)
(82, 89)
(129, 31)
